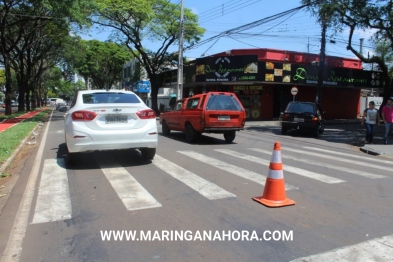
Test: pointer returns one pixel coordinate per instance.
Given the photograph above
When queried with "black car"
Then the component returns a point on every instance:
(302, 116)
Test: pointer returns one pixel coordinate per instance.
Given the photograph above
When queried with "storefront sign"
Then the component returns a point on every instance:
(229, 68)
(248, 90)
(308, 74)
(143, 87)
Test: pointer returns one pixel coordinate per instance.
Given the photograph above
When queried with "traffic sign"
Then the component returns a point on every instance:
(294, 90)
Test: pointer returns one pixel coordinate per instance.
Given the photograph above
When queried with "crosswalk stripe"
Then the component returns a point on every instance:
(295, 170)
(205, 188)
(379, 249)
(238, 171)
(53, 201)
(351, 155)
(133, 195)
(351, 161)
(315, 163)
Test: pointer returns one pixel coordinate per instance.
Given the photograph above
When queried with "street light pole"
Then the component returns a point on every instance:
(180, 64)
(318, 98)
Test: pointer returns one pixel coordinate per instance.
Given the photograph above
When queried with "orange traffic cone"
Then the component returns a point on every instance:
(274, 191)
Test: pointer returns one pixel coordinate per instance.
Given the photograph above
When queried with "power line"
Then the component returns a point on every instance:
(247, 26)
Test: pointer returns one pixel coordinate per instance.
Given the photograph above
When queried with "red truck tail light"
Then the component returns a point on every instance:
(83, 115)
(244, 118)
(146, 114)
(202, 118)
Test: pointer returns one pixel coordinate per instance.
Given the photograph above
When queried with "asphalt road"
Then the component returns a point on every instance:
(343, 197)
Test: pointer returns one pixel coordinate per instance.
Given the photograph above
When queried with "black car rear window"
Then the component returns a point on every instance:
(109, 97)
(223, 102)
(300, 108)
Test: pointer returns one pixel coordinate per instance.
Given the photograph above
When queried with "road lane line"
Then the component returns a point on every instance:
(202, 186)
(351, 155)
(315, 163)
(294, 170)
(378, 249)
(53, 201)
(13, 249)
(350, 161)
(238, 171)
(133, 195)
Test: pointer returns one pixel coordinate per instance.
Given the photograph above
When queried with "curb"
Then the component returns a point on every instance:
(371, 151)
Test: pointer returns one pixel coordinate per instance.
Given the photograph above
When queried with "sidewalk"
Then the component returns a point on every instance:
(374, 149)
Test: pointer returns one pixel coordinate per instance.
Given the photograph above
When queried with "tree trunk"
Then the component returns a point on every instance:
(154, 92)
(8, 85)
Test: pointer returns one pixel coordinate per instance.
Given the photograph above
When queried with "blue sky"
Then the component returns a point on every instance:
(296, 32)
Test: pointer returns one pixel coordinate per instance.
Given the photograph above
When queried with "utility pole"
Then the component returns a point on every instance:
(180, 64)
(318, 98)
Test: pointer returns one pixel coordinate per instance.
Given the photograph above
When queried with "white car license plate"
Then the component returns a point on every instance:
(116, 119)
(224, 118)
(298, 119)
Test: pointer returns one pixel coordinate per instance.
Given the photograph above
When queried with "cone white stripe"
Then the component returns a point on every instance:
(205, 188)
(276, 156)
(238, 171)
(276, 174)
(316, 163)
(295, 170)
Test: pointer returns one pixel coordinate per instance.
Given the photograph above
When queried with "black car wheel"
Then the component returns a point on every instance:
(191, 134)
(230, 136)
(148, 153)
(322, 128)
(165, 128)
(316, 132)
(284, 130)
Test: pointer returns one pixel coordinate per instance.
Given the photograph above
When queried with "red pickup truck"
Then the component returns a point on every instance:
(213, 112)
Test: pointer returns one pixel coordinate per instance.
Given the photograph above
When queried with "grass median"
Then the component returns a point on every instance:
(12, 137)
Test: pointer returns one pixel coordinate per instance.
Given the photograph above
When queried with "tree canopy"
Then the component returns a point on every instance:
(136, 22)
(360, 14)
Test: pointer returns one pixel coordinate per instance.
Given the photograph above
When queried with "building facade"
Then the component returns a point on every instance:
(263, 79)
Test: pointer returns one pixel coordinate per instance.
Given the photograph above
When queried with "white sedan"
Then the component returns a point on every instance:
(109, 120)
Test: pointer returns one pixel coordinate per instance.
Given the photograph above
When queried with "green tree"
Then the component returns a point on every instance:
(360, 14)
(138, 21)
(101, 61)
(17, 18)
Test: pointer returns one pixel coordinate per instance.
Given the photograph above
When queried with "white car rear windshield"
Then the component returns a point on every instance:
(223, 102)
(108, 98)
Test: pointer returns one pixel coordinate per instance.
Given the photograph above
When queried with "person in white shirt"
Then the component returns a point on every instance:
(369, 119)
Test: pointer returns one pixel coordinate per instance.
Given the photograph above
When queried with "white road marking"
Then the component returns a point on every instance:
(13, 249)
(378, 249)
(53, 201)
(350, 161)
(351, 155)
(202, 186)
(294, 170)
(133, 195)
(315, 163)
(238, 171)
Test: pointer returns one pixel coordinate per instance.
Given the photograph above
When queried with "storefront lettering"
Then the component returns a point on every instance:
(222, 70)
(334, 78)
(248, 90)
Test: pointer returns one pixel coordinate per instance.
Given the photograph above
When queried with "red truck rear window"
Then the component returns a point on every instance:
(223, 102)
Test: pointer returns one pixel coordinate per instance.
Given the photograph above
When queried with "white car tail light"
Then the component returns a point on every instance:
(146, 114)
(83, 115)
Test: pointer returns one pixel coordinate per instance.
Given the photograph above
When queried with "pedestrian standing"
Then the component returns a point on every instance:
(387, 116)
(369, 120)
